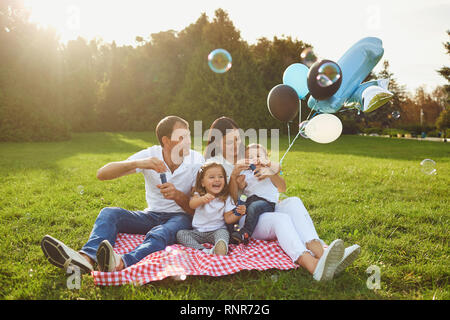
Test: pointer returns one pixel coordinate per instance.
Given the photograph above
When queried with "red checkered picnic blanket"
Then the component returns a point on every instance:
(181, 261)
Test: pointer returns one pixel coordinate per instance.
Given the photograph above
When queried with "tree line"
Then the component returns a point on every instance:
(49, 90)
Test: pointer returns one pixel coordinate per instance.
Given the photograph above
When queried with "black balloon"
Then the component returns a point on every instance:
(283, 102)
(322, 92)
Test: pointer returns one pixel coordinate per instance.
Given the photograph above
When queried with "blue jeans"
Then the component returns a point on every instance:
(255, 206)
(160, 229)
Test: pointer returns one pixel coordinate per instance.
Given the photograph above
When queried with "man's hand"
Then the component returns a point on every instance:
(169, 191)
(152, 164)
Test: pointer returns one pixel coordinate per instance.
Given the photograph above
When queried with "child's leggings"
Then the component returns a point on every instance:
(194, 239)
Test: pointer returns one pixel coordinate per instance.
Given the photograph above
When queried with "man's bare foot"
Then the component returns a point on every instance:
(120, 266)
(89, 259)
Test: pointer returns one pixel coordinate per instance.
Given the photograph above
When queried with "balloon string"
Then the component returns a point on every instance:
(289, 133)
(293, 141)
(289, 148)
(307, 118)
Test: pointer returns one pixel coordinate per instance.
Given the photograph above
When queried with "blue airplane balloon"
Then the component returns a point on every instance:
(356, 64)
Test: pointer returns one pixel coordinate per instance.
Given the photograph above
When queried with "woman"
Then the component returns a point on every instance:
(290, 224)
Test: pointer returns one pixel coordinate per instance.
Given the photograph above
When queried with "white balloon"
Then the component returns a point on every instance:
(324, 128)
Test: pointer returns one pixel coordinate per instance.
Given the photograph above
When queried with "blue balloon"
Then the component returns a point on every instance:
(356, 64)
(296, 76)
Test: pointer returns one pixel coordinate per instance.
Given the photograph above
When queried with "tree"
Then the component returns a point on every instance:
(80, 85)
(31, 106)
(206, 95)
(443, 121)
(445, 71)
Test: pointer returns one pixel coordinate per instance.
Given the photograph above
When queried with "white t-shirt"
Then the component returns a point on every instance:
(209, 217)
(264, 188)
(183, 178)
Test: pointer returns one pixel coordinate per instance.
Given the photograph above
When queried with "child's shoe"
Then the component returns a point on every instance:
(240, 237)
(220, 248)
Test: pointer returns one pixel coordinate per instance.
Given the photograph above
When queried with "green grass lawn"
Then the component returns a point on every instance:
(365, 190)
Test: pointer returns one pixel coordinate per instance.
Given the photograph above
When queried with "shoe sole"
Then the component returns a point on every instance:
(55, 253)
(221, 248)
(236, 239)
(104, 256)
(333, 258)
(347, 261)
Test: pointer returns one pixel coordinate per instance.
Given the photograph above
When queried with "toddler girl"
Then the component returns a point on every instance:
(214, 209)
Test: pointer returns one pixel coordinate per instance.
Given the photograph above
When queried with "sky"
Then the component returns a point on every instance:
(413, 32)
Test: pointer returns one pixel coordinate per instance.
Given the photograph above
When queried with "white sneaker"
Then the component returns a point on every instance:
(220, 248)
(350, 255)
(107, 259)
(60, 255)
(330, 259)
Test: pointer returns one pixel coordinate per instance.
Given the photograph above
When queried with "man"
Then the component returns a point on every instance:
(168, 204)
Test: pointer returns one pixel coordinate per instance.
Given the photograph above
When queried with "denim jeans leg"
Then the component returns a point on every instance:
(113, 220)
(254, 210)
(160, 236)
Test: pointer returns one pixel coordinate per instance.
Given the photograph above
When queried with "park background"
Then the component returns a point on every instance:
(69, 107)
(50, 88)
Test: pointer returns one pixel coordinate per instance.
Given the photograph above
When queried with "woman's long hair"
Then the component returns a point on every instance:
(220, 125)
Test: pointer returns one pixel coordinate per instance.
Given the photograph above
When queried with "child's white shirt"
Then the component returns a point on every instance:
(209, 217)
(262, 188)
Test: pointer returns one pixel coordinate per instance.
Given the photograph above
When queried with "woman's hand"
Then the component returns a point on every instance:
(240, 180)
(240, 165)
(241, 210)
(266, 170)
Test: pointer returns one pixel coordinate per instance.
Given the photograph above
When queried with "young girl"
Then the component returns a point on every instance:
(214, 208)
(262, 195)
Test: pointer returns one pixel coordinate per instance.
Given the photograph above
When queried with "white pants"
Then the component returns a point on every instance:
(290, 224)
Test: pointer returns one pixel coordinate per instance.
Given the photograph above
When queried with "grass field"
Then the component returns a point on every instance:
(365, 190)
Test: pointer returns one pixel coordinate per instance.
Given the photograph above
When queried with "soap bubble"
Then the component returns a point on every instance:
(428, 166)
(328, 74)
(308, 57)
(80, 189)
(301, 128)
(395, 114)
(180, 277)
(219, 60)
